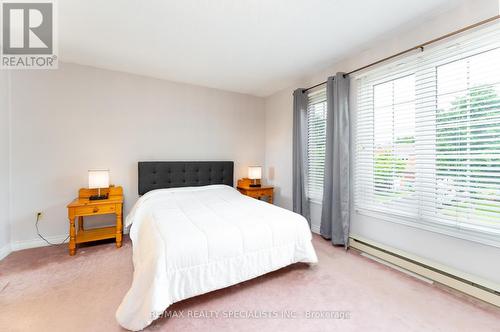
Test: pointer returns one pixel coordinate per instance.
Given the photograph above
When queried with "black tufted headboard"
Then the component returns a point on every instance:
(172, 174)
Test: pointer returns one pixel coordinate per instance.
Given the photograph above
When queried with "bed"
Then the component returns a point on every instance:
(193, 233)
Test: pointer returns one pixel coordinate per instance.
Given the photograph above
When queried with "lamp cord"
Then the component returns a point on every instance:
(40, 235)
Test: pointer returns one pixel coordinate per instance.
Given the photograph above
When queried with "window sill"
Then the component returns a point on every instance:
(452, 231)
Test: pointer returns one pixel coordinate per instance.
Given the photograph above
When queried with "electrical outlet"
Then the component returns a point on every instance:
(39, 215)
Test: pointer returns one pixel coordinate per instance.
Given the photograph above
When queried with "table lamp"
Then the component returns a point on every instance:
(98, 178)
(254, 173)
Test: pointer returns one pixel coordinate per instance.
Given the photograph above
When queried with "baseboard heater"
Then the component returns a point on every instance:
(479, 290)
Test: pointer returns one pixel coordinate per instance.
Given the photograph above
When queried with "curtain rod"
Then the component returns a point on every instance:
(420, 46)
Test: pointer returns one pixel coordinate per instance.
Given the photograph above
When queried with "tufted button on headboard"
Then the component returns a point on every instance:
(172, 174)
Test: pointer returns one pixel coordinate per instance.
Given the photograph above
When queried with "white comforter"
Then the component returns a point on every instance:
(190, 241)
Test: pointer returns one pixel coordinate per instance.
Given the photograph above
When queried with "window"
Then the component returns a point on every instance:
(316, 139)
(394, 140)
(427, 148)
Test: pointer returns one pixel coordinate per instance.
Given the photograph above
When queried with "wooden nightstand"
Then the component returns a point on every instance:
(255, 192)
(82, 207)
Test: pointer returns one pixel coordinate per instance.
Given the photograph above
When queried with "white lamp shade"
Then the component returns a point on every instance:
(98, 178)
(254, 172)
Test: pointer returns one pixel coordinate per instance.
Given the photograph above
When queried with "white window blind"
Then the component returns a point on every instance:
(428, 138)
(316, 139)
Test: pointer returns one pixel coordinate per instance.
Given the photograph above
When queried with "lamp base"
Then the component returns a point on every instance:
(98, 197)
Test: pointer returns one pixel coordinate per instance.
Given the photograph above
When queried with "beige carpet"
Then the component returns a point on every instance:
(45, 289)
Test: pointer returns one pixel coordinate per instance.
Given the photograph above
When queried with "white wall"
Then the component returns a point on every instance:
(4, 165)
(279, 123)
(459, 254)
(69, 120)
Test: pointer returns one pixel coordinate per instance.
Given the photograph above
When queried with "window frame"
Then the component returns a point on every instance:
(459, 229)
(320, 93)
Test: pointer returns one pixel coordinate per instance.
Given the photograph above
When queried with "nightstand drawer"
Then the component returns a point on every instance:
(91, 210)
(260, 193)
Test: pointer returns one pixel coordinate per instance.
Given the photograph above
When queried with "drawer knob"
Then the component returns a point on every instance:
(96, 210)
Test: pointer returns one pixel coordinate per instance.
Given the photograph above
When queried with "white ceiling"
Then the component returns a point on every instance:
(250, 46)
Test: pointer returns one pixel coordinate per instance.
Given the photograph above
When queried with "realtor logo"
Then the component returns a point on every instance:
(28, 35)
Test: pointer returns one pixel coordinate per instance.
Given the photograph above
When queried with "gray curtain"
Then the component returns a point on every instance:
(300, 203)
(335, 214)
